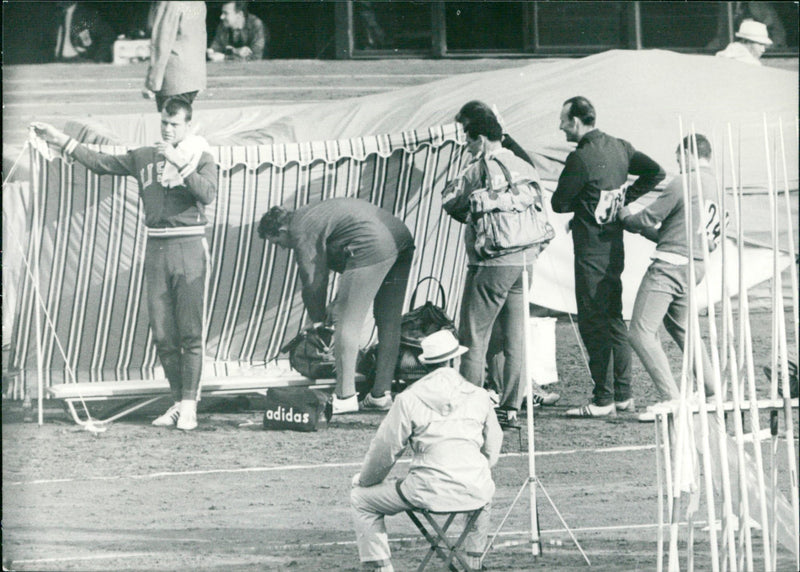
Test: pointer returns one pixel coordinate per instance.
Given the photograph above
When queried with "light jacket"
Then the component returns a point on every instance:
(177, 48)
(456, 200)
(451, 428)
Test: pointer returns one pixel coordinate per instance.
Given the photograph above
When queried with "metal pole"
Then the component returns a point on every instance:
(536, 541)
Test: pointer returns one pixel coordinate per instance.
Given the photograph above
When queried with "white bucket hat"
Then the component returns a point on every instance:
(754, 31)
(440, 346)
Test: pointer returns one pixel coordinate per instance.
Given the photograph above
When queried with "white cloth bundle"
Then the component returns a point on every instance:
(191, 148)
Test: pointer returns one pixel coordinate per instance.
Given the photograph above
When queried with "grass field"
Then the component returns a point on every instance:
(231, 496)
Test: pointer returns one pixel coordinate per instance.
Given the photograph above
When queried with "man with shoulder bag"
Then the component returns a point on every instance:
(497, 195)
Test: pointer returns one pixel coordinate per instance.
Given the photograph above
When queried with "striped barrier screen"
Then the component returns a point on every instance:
(91, 230)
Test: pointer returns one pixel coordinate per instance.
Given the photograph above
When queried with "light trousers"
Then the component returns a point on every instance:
(384, 286)
(662, 298)
(370, 505)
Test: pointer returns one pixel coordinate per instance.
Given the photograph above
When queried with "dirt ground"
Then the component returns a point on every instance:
(231, 496)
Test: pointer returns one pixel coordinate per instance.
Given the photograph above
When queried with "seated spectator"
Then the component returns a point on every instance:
(751, 42)
(451, 428)
(240, 35)
(82, 34)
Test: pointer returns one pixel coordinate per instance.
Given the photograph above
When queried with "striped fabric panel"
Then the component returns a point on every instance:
(93, 240)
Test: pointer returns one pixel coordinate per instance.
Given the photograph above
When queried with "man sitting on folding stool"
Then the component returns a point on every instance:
(452, 430)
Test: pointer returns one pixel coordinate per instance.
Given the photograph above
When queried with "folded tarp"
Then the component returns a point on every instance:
(639, 96)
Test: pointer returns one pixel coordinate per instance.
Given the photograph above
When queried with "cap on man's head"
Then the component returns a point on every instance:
(439, 347)
(754, 31)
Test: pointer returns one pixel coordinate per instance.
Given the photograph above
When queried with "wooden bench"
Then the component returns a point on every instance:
(139, 393)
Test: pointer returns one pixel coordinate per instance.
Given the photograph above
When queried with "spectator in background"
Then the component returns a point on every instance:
(82, 34)
(177, 51)
(239, 36)
(751, 42)
(763, 12)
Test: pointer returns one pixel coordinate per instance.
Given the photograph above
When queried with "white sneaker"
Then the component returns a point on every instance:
(347, 405)
(370, 403)
(649, 414)
(187, 420)
(170, 417)
(592, 410)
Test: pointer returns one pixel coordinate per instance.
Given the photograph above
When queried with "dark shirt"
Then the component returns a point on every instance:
(254, 35)
(163, 207)
(341, 234)
(593, 185)
(90, 36)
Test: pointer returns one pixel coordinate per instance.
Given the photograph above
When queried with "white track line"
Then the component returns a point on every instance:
(304, 467)
(404, 539)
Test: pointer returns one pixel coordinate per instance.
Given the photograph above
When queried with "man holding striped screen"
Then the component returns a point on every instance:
(177, 177)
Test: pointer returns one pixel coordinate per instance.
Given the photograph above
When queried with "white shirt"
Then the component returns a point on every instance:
(739, 52)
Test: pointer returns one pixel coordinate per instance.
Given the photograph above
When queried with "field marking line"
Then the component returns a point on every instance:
(311, 545)
(623, 449)
(74, 558)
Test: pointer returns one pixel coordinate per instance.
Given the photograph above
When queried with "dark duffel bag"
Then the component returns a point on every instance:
(427, 319)
(417, 323)
(311, 353)
(294, 408)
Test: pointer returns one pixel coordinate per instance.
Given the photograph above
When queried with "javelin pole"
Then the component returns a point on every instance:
(785, 385)
(682, 418)
(727, 510)
(736, 391)
(698, 365)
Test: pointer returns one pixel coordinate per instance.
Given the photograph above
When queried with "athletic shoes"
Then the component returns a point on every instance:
(592, 410)
(627, 405)
(187, 420)
(649, 414)
(541, 396)
(371, 403)
(169, 418)
(346, 405)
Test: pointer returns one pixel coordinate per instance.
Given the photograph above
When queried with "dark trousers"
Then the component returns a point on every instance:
(175, 274)
(598, 292)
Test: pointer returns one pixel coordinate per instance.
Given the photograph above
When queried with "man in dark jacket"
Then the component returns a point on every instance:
(372, 250)
(593, 186)
(177, 178)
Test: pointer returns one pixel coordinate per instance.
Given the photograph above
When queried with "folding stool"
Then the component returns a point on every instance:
(440, 544)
